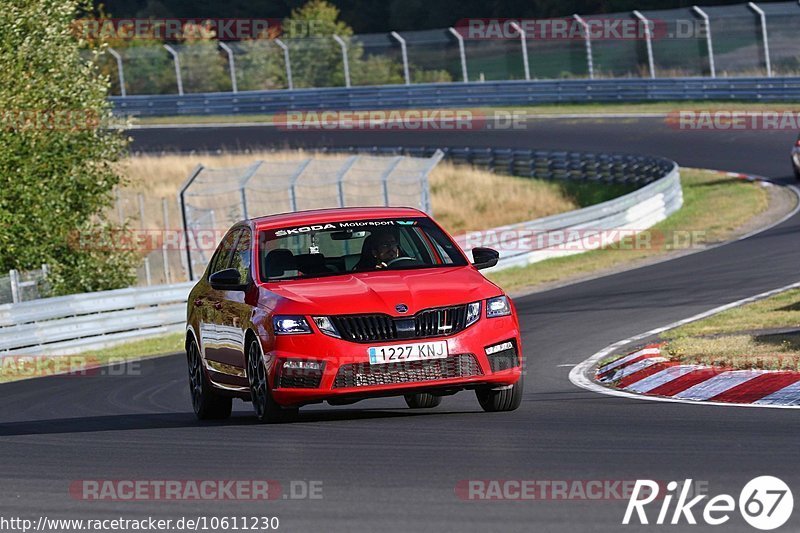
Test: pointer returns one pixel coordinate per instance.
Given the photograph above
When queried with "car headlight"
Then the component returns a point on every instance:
(326, 326)
(497, 306)
(473, 313)
(290, 325)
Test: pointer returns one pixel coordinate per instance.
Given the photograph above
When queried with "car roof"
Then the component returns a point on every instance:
(317, 216)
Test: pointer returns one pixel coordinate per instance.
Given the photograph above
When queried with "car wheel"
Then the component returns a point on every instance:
(423, 400)
(493, 401)
(207, 404)
(267, 410)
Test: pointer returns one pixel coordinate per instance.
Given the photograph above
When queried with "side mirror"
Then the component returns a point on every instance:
(484, 258)
(226, 280)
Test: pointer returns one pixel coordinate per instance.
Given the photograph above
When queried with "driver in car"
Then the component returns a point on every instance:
(379, 249)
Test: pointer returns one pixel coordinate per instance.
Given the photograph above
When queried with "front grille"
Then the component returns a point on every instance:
(290, 378)
(365, 374)
(365, 328)
(439, 322)
(504, 360)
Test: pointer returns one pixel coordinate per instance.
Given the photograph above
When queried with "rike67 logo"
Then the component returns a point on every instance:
(765, 503)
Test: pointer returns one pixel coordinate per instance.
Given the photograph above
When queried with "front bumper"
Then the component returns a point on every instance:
(347, 372)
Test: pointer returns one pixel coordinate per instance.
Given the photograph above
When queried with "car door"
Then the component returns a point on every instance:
(234, 316)
(212, 316)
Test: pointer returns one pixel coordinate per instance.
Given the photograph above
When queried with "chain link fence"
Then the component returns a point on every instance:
(212, 200)
(738, 40)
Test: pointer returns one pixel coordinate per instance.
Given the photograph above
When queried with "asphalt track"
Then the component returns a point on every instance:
(386, 468)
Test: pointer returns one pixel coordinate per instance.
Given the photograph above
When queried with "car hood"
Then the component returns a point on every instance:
(380, 292)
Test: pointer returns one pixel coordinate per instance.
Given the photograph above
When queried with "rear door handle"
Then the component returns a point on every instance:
(217, 305)
(198, 302)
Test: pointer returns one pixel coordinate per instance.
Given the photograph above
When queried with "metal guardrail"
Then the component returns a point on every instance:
(473, 94)
(70, 324)
(584, 229)
(81, 322)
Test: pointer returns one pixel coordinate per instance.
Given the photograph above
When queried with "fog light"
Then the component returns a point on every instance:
(299, 364)
(499, 348)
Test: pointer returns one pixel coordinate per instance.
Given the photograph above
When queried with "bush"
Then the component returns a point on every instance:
(56, 153)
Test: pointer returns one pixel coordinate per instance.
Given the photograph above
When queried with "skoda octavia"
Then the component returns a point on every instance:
(340, 305)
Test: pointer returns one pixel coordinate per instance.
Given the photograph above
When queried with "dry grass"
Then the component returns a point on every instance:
(462, 198)
(780, 311)
(776, 352)
(743, 337)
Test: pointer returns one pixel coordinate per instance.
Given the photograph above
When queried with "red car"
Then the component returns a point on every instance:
(340, 305)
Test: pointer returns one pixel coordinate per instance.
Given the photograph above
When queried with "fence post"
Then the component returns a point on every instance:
(404, 52)
(522, 40)
(164, 249)
(345, 63)
(588, 40)
(343, 170)
(709, 42)
(293, 183)
(648, 40)
(385, 178)
(243, 184)
(231, 65)
(287, 62)
(184, 222)
(462, 53)
(426, 197)
(118, 201)
(13, 276)
(147, 275)
(120, 71)
(177, 62)
(763, 17)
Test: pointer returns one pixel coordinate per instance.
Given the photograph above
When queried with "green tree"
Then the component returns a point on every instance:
(56, 153)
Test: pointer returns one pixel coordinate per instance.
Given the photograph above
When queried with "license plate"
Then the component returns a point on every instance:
(396, 353)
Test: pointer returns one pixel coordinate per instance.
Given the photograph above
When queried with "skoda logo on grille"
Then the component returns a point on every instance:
(401, 308)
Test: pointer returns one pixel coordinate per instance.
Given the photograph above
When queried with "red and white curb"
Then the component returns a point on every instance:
(645, 375)
(647, 372)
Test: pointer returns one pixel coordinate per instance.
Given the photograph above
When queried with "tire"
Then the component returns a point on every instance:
(422, 400)
(495, 401)
(207, 404)
(267, 410)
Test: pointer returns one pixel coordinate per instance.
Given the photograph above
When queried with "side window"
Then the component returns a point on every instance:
(241, 256)
(223, 254)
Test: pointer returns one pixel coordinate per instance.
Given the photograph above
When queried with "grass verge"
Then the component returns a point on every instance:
(714, 208)
(547, 109)
(763, 334)
(17, 368)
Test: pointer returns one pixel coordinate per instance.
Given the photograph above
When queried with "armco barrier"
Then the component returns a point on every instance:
(76, 323)
(70, 324)
(577, 231)
(465, 95)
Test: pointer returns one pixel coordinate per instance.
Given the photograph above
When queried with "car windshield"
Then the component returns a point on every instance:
(339, 247)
